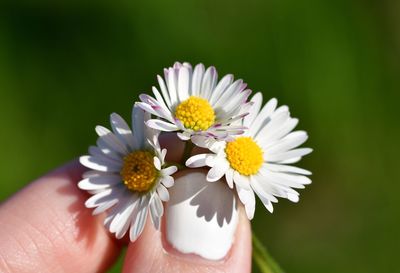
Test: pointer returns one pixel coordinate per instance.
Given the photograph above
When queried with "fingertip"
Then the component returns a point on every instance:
(48, 222)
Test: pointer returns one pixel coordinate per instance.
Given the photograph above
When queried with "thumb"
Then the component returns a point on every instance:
(205, 230)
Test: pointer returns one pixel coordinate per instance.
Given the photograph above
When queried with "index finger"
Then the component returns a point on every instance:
(46, 228)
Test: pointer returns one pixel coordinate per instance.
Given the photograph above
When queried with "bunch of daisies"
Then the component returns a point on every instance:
(249, 146)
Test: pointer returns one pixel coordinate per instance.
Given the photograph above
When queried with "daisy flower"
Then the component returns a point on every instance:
(194, 102)
(128, 177)
(258, 161)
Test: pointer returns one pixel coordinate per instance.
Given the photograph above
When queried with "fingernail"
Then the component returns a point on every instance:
(201, 216)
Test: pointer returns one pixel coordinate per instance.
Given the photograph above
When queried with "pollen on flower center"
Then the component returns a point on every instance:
(138, 172)
(195, 113)
(244, 155)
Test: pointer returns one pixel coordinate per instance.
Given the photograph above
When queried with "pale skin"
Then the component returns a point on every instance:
(46, 228)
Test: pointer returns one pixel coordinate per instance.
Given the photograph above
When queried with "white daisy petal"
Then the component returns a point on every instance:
(151, 101)
(121, 218)
(159, 98)
(169, 170)
(167, 181)
(106, 149)
(231, 105)
(202, 141)
(211, 159)
(229, 177)
(248, 200)
(183, 83)
(155, 219)
(104, 196)
(100, 164)
(96, 151)
(261, 187)
(220, 88)
(232, 119)
(156, 211)
(263, 116)
(164, 113)
(151, 135)
(125, 222)
(266, 202)
(152, 109)
(245, 108)
(172, 86)
(164, 91)
(289, 191)
(122, 202)
(244, 195)
(290, 180)
(290, 161)
(157, 163)
(197, 78)
(287, 143)
(177, 65)
(183, 136)
(188, 66)
(122, 131)
(138, 126)
(163, 155)
(229, 93)
(229, 127)
(265, 198)
(163, 193)
(218, 146)
(287, 155)
(91, 173)
(161, 125)
(159, 209)
(277, 119)
(266, 186)
(283, 130)
(153, 142)
(99, 182)
(137, 224)
(257, 100)
(219, 170)
(293, 197)
(123, 228)
(286, 169)
(111, 140)
(208, 83)
(105, 206)
(93, 192)
(197, 161)
(241, 180)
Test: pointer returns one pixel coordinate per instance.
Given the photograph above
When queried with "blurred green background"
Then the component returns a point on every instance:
(64, 67)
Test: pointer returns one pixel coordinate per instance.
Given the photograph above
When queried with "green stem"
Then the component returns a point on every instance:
(187, 151)
(263, 259)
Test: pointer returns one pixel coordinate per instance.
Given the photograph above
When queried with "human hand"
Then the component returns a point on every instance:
(47, 228)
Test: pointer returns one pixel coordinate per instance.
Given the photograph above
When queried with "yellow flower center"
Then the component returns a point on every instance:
(244, 155)
(195, 113)
(138, 171)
